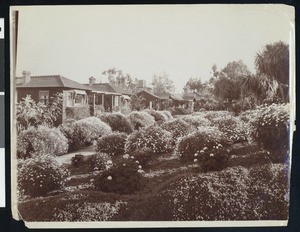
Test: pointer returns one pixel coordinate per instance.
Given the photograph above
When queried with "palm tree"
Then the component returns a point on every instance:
(273, 62)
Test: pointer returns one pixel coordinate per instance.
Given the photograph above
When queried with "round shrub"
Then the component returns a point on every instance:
(178, 128)
(153, 137)
(167, 114)
(124, 177)
(196, 120)
(41, 141)
(40, 175)
(118, 122)
(215, 114)
(112, 144)
(77, 160)
(144, 157)
(140, 119)
(158, 116)
(98, 162)
(235, 129)
(271, 131)
(83, 132)
(206, 146)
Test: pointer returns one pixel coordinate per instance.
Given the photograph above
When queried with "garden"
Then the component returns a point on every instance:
(152, 165)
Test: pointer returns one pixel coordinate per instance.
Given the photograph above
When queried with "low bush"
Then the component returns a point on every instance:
(215, 114)
(77, 160)
(207, 146)
(158, 116)
(235, 129)
(40, 175)
(196, 120)
(152, 137)
(112, 144)
(77, 113)
(98, 162)
(83, 132)
(124, 177)
(41, 141)
(167, 114)
(178, 128)
(271, 131)
(118, 122)
(140, 119)
(179, 111)
(144, 157)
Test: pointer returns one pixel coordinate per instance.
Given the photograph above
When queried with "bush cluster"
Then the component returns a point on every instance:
(118, 122)
(271, 130)
(178, 128)
(140, 119)
(235, 129)
(124, 177)
(158, 116)
(207, 146)
(41, 141)
(167, 114)
(112, 144)
(40, 175)
(83, 132)
(152, 137)
(179, 111)
(196, 120)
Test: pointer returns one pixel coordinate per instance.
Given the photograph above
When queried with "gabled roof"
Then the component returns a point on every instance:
(177, 97)
(52, 81)
(164, 96)
(121, 90)
(102, 88)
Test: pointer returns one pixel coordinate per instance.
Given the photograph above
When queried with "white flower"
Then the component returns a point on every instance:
(195, 160)
(137, 161)
(126, 156)
(211, 155)
(109, 162)
(109, 177)
(196, 154)
(140, 166)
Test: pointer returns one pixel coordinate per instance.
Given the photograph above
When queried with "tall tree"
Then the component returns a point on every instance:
(194, 84)
(162, 84)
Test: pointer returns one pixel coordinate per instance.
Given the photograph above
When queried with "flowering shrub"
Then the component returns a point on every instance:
(98, 162)
(123, 177)
(77, 160)
(143, 156)
(179, 111)
(234, 129)
(206, 146)
(117, 122)
(215, 114)
(41, 141)
(140, 119)
(167, 114)
(83, 132)
(152, 137)
(271, 130)
(158, 116)
(178, 128)
(40, 175)
(196, 120)
(112, 144)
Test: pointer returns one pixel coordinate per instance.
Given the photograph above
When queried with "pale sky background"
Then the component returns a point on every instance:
(182, 40)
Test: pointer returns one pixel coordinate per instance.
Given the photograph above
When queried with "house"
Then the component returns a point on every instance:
(153, 101)
(107, 96)
(42, 88)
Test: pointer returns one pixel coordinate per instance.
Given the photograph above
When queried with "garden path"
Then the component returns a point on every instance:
(66, 159)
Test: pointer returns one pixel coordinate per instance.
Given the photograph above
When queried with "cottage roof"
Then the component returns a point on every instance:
(52, 81)
(164, 96)
(191, 96)
(177, 97)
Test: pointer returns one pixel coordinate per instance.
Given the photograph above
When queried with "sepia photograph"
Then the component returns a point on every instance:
(152, 115)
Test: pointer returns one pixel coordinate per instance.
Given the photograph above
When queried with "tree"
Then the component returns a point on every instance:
(194, 84)
(162, 84)
(273, 61)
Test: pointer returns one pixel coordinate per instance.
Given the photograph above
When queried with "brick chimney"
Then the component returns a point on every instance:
(92, 80)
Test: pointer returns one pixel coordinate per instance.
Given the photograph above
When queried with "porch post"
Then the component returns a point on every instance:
(103, 100)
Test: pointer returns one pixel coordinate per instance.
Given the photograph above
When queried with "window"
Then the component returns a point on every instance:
(70, 98)
(44, 97)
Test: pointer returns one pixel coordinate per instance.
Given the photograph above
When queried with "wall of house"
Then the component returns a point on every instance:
(34, 92)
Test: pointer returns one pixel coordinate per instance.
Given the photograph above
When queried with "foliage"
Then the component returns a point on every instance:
(112, 144)
(162, 84)
(144, 157)
(158, 116)
(194, 84)
(77, 160)
(206, 146)
(117, 121)
(210, 115)
(77, 112)
(167, 114)
(179, 111)
(140, 119)
(232, 127)
(152, 137)
(98, 162)
(83, 132)
(138, 103)
(196, 120)
(40, 175)
(124, 177)
(98, 110)
(271, 130)
(178, 128)
(41, 141)
(29, 113)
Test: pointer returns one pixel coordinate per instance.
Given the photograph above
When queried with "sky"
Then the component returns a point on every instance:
(182, 40)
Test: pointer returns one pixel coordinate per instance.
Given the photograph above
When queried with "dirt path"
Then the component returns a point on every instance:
(66, 159)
